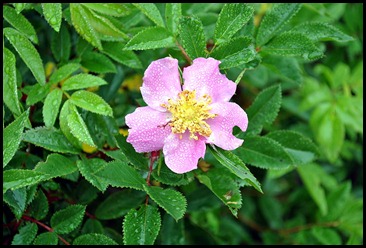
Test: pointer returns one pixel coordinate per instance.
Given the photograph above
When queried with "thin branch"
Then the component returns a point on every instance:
(184, 53)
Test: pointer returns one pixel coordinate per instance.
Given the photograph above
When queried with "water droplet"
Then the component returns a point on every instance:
(53, 21)
(119, 10)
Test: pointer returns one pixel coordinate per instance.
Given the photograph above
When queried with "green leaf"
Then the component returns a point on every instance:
(235, 165)
(311, 177)
(10, 88)
(97, 62)
(49, 138)
(19, 22)
(173, 11)
(239, 58)
(232, 18)
(64, 72)
(55, 165)
(119, 174)
(287, 68)
(65, 129)
(39, 206)
(137, 159)
(16, 199)
(66, 220)
(88, 169)
(18, 178)
(78, 127)
(81, 81)
(192, 36)
(141, 227)
(13, 136)
(92, 226)
(81, 22)
(51, 107)
(326, 236)
(293, 44)
(46, 238)
(320, 31)
(94, 239)
(119, 203)
(264, 109)
(26, 234)
(172, 201)
(112, 9)
(19, 7)
(230, 47)
(224, 187)
(115, 51)
(102, 129)
(61, 44)
(301, 148)
(150, 38)
(274, 20)
(27, 52)
(53, 14)
(37, 93)
(151, 11)
(264, 153)
(172, 232)
(92, 102)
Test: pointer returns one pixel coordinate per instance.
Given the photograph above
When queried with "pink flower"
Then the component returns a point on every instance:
(181, 119)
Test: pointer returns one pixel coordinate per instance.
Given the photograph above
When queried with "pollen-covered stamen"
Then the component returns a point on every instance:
(190, 113)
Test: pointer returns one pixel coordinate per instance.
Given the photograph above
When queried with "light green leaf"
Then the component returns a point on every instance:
(55, 165)
(81, 81)
(49, 138)
(18, 178)
(192, 37)
(27, 52)
(172, 201)
(224, 187)
(112, 9)
(37, 93)
(39, 206)
(46, 238)
(16, 199)
(137, 159)
(235, 165)
(12, 137)
(91, 101)
(141, 227)
(119, 174)
(19, 7)
(238, 59)
(94, 239)
(65, 129)
(151, 11)
(66, 220)
(26, 234)
(63, 72)
(274, 20)
(88, 169)
(61, 44)
(320, 31)
(78, 127)
(293, 44)
(264, 109)
(326, 236)
(150, 38)
(80, 20)
(173, 11)
(10, 88)
(119, 203)
(115, 51)
(232, 18)
(51, 107)
(97, 62)
(230, 47)
(19, 22)
(53, 14)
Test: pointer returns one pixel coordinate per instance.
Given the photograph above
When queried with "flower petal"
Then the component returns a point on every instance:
(182, 155)
(229, 114)
(148, 129)
(161, 81)
(205, 77)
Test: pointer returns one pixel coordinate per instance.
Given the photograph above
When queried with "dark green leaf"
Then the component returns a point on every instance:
(37, 93)
(192, 37)
(18, 178)
(49, 138)
(53, 14)
(91, 101)
(26, 234)
(56, 165)
(92, 226)
(232, 18)
(27, 52)
(61, 44)
(137, 159)
(13, 136)
(150, 38)
(116, 52)
(67, 219)
(112, 9)
(39, 206)
(119, 203)
(97, 62)
(172, 231)
(19, 22)
(151, 11)
(173, 11)
(16, 199)
(274, 20)
(81, 81)
(141, 227)
(238, 59)
(64, 126)
(287, 68)
(46, 238)
(51, 107)
(89, 167)
(94, 239)
(230, 47)
(172, 201)
(63, 72)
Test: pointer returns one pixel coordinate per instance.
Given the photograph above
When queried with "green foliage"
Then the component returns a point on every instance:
(46, 238)
(26, 234)
(94, 239)
(67, 219)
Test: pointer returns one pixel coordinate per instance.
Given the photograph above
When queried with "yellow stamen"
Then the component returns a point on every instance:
(190, 113)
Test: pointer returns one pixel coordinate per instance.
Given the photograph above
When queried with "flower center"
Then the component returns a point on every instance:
(190, 113)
